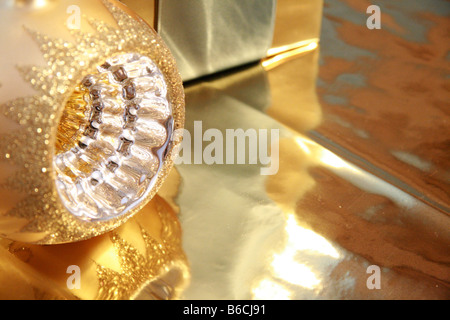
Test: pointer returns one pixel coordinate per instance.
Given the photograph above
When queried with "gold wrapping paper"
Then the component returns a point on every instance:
(311, 230)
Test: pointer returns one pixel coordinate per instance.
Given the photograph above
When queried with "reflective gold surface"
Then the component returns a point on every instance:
(312, 230)
(296, 21)
(385, 93)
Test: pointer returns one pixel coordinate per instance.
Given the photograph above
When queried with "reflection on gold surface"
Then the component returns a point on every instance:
(278, 55)
(69, 127)
(19, 281)
(287, 266)
(268, 289)
(321, 155)
(299, 239)
(289, 47)
(311, 230)
(292, 79)
(138, 269)
(386, 97)
(339, 218)
(143, 259)
(347, 215)
(296, 21)
(332, 160)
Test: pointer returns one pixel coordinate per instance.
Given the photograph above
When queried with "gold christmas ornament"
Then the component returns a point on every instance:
(90, 100)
